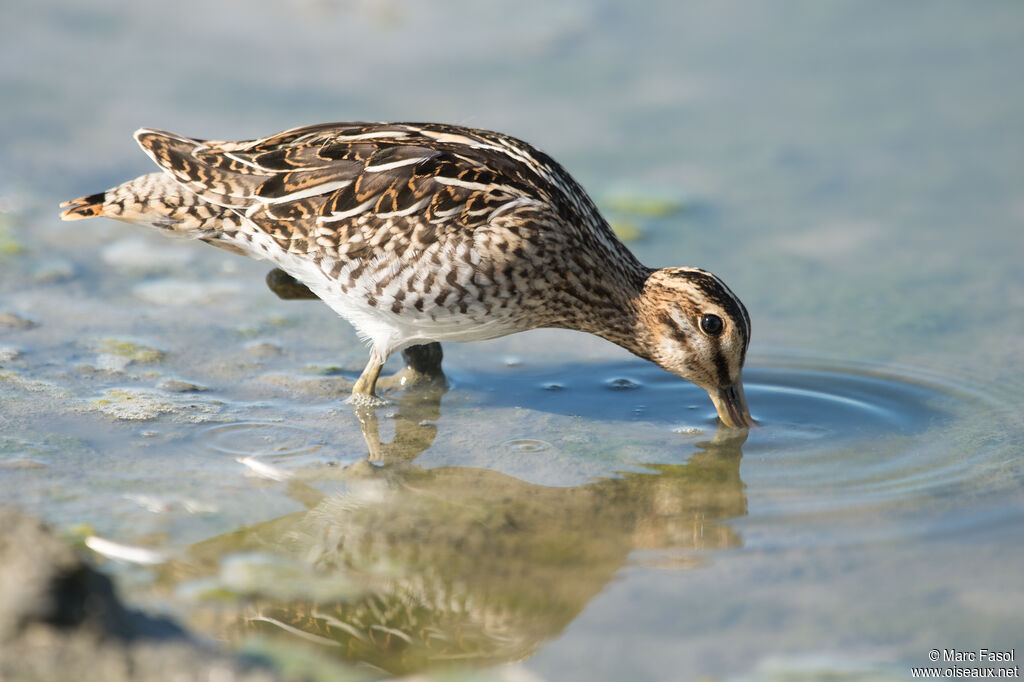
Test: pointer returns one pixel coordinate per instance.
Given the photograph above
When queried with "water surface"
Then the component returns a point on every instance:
(852, 170)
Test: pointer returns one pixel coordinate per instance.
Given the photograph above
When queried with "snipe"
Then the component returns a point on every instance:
(422, 232)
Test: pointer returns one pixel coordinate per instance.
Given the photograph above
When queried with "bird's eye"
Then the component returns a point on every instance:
(711, 325)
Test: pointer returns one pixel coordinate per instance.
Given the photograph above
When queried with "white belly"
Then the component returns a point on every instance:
(387, 331)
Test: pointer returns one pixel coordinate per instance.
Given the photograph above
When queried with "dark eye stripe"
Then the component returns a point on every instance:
(718, 293)
(713, 288)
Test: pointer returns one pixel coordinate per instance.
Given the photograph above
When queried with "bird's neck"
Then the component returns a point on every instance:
(615, 309)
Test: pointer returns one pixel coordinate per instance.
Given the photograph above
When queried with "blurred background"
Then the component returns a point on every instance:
(831, 147)
(852, 169)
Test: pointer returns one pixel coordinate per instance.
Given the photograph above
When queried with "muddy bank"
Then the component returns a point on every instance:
(60, 619)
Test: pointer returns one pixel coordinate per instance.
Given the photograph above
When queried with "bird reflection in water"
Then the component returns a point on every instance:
(410, 568)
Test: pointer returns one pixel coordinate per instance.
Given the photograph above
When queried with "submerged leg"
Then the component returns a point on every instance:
(422, 369)
(424, 359)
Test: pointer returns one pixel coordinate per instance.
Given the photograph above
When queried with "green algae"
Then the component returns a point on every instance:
(129, 404)
(627, 231)
(643, 206)
(130, 350)
(9, 244)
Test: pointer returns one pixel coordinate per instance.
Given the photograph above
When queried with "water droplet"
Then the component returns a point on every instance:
(622, 384)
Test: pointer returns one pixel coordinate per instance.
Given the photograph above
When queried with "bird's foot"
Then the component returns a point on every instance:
(367, 400)
(422, 369)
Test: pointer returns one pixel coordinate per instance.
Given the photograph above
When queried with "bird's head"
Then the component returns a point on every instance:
(698, 329)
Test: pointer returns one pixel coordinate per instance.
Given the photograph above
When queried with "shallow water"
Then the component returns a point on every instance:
(852, 170)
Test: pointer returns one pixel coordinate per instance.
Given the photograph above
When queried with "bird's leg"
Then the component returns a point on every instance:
(364, 392)
(365, 388)
(287, 287)
(422, 362)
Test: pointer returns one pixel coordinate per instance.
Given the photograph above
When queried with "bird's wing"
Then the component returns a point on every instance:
(340, 188)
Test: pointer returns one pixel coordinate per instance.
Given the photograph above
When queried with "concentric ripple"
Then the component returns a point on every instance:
(267, 449)
(526, 445)
(256, 439)
(836, 440)
(871, 448)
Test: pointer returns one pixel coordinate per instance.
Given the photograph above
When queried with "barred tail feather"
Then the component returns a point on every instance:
(84, 207)
(156, 200)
